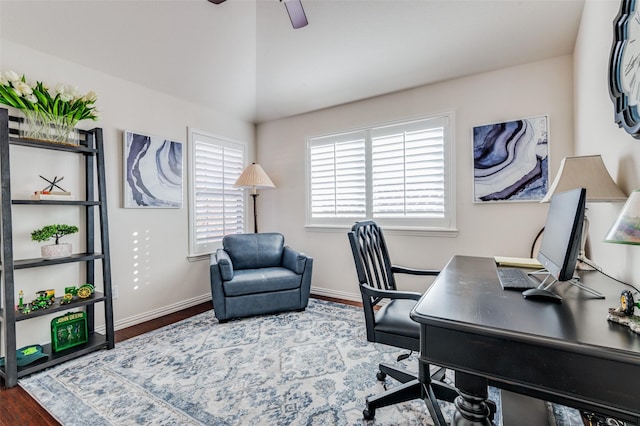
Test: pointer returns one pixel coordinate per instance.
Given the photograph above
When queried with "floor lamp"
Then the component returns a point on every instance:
(254, 177)
(586, 172)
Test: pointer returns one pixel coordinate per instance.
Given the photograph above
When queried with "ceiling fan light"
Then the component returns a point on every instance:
(216, 1)
(296, 13)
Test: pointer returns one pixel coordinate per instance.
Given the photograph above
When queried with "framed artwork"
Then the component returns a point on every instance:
(152, 171)
(511, 160)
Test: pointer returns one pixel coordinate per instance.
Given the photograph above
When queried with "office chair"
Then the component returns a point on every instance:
(391, 324)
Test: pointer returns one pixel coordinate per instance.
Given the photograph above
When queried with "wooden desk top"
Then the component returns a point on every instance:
(468, 296)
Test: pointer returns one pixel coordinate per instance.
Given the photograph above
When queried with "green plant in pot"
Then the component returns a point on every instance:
(57, 250)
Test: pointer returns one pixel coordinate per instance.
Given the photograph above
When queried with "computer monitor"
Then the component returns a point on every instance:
(562, 233)
(560, 244)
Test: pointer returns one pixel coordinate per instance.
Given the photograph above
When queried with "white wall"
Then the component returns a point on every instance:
(544, 87)
(161, 280)
(597, 133)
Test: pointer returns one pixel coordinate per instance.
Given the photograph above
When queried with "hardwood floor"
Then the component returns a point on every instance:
(17, 408)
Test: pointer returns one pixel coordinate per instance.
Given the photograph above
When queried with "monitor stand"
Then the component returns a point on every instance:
(573, 281)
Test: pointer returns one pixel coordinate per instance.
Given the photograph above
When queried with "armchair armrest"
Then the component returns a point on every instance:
(294, 260)
(224, 263)
(388, 294)
(413, 271)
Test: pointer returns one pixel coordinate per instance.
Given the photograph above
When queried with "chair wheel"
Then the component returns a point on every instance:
(381, 376)
(368, 414)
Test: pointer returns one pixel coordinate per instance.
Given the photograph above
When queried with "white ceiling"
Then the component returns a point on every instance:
(243, 56)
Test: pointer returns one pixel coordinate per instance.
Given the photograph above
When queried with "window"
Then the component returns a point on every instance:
(216, 207)
(398, 174)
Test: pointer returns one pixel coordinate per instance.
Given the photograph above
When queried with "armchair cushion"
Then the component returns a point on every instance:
(225, 264)
(251, 281)
(249, 251)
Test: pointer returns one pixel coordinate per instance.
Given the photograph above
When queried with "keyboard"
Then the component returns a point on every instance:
(514, 279)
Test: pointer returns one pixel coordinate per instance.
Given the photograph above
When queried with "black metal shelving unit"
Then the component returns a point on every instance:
(95, 209)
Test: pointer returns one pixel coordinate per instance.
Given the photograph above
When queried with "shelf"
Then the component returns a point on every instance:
(57, 202)
(96, 239)
(38, 261)
(52, 145)
(57, 307)
(96, 342)
(97, 297)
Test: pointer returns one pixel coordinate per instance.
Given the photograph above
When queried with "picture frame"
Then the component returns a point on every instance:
(153, 171)
(69, 330)
(511, 160)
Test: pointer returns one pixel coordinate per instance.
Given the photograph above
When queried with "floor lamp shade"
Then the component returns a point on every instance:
(254, 177)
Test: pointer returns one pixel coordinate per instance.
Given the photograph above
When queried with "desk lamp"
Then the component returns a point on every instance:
(585, 172)
(254, 177)
(626, 229)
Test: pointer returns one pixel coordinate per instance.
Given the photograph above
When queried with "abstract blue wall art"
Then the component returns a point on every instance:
(511, 160)
(153, 172)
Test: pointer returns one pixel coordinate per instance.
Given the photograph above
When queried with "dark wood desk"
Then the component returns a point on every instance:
(565, 353)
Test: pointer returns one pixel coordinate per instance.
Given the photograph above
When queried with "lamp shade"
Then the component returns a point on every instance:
(626, 229)
(586, 172)
(253, 176)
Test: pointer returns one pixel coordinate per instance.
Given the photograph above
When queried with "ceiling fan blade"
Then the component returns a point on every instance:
(216, 1)
(296, 13)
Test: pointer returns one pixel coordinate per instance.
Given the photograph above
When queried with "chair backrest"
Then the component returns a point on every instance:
(250, 251)
(370, 255)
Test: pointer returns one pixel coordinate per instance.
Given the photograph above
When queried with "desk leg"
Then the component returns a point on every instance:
(471, 405)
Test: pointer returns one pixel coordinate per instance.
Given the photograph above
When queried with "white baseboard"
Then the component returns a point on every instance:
(354, 297)
(157, 313)
(184, 304)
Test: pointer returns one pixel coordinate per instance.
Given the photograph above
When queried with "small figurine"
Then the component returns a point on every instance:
(627, 303)
(20, 299)
(624, 313)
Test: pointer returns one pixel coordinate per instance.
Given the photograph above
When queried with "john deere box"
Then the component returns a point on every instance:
(68, 331)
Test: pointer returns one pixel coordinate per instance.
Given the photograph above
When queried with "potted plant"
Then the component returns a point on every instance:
(56, 250)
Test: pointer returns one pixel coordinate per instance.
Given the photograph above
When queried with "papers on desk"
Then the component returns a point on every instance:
(520, 262)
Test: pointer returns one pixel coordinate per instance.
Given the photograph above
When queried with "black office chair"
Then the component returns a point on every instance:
(391, 324)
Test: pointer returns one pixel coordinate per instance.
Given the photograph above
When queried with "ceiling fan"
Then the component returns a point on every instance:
(294, 9)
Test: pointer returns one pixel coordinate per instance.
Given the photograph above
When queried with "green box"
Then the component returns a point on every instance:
(68, 331)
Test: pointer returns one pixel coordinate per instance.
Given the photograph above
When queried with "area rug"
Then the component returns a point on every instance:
(301, 368)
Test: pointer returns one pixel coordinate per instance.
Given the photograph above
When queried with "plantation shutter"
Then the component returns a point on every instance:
(408, 170)
(338, 182)
(218, 207)
(400, 174)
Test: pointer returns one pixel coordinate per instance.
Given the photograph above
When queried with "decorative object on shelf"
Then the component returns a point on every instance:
(68, 331)
(624, 68)
(44, 299)
(511, 160)
(47, 193)
(57, 250)
(83, 292)
(254, 177)
(587, 172)
(27, 355)
(49, 116)
(20, 300)
(152, 171)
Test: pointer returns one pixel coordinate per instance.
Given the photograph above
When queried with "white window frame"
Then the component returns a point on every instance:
(445, 226)
(197, 249)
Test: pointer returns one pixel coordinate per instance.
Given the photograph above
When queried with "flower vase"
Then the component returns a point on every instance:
(43, 126)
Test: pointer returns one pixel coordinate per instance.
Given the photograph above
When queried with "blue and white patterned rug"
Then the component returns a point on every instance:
(300, 368)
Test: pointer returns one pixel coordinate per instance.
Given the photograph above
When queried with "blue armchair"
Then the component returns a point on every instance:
(257, 274)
